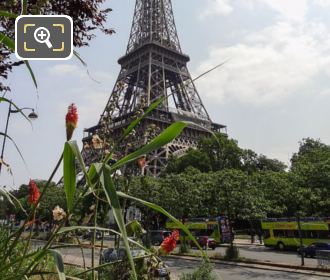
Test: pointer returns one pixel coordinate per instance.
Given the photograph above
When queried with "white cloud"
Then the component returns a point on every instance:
(217, 7)
(325, 92)
(269, 65)
(293, 10)
(322, 3)
(63, 69)
(289, 9)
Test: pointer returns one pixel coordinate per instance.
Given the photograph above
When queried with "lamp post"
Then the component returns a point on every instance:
(31, 116)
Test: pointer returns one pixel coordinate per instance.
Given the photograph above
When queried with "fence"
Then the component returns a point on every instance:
(323, 259)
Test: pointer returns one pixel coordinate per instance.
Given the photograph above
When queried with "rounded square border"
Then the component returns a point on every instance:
(59, 16)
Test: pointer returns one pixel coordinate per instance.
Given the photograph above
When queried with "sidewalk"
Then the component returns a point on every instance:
(312, 271)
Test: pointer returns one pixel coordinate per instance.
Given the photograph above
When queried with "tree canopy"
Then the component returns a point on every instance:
(87, 15)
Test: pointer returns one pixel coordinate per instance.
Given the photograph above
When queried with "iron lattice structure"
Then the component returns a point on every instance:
(154, 66)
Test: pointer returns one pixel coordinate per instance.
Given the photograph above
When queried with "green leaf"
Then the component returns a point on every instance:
(162, 139)
(13, 200)
(77, 55)
(31, 73)
(134, 123)
(74, 228)
(159, 209)
(59, 264)
(94, 172)
(111, 195)
(69, 175)
(24, 4)
(76, 151)
(8, 42)
(18, 150)
(7, 14)
(3, 99)
(134, 228)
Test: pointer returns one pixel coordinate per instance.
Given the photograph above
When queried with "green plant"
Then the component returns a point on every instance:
(18, 260)
(184, 247)
(203, 272)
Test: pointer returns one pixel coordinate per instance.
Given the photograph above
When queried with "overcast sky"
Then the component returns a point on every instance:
(273, 91)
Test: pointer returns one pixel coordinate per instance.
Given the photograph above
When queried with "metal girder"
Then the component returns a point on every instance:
(153, 67)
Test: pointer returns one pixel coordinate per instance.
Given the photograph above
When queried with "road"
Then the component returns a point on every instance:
(259, 253)
(227, 272)
(264, 254)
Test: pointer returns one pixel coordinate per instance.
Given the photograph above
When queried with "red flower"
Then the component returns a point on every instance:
(169, 243)
(34, 193)
(141, 162)
(71, 121)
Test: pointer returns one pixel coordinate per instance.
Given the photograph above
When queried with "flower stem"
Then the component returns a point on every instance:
(94, 238)
(32, 213)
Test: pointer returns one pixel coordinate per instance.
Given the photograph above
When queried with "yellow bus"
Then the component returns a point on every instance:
(217, 228)
(284, 233)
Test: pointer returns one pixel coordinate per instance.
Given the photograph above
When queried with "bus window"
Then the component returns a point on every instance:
(310, 234)
(291, 233)
(279, 233)
(266, 233)
(323, 234)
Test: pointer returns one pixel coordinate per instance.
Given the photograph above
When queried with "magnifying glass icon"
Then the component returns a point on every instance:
(42, 35)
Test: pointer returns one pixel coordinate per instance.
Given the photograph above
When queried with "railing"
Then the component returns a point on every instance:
(323, 259)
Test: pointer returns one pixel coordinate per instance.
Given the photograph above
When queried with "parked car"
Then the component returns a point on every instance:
(89, 234)
(310, 250)
(205, 242)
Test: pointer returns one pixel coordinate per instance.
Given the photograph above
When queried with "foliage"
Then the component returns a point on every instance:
(19, 261)
(120, 270)
(203, 272)
(193, 158)
(257, 188)
(88, 16)
(220, 153)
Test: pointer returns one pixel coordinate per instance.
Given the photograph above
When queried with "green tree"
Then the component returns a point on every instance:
(193, 158)
(239, 196)
(53, 197)
(224, 153)
(310, 167)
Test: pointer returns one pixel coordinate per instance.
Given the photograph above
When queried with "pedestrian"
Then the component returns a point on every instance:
(260, 235)
(252, 233)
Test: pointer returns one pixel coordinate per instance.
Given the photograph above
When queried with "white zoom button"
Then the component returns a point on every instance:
(42, 35)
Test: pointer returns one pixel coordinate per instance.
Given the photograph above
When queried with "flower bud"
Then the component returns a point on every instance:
(71, 121)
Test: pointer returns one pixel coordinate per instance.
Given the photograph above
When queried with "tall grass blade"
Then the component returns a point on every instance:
(24, 4)
(59, 264)
(16, 147)
(7, 14)
(161, 140)
(111, 194)
(8, 42)
(134, 123)
(31, 73)
(3, 99)
(159, 209)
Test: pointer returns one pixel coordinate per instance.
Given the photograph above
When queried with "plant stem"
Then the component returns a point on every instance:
(94, 239)
(32, 213)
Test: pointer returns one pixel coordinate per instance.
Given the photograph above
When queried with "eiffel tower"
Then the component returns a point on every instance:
(154, 66)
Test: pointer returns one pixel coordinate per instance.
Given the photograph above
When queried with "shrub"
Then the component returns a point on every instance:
(203, 272)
